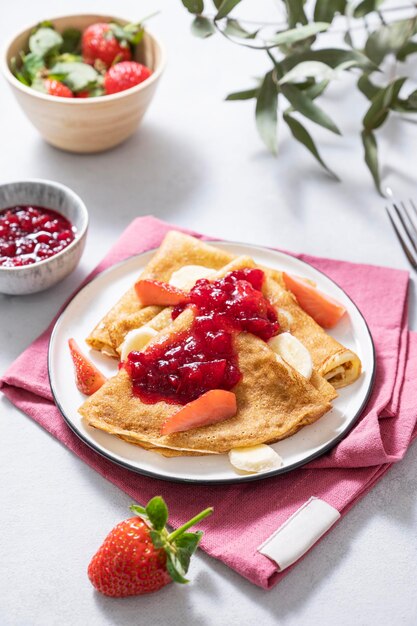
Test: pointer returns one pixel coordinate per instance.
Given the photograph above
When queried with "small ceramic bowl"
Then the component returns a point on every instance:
(86, 124)
(44, 274)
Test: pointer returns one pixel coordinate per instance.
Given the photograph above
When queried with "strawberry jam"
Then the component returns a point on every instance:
(29, 234)
(203, 357)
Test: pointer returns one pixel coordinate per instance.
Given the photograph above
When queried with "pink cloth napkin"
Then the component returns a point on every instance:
(234, 532)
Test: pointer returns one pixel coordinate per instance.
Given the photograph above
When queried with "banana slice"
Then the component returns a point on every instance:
(136, 339)
(187, 276)
(293, 352)
(255, 458)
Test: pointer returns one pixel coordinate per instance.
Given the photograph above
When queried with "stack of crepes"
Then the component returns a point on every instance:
(274, 400)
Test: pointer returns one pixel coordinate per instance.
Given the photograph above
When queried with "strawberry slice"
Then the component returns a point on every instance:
(213, 406)
(87, 377)
(156, 292)
(324, 309)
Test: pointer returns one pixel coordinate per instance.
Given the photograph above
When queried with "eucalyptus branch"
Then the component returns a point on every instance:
(302, 69)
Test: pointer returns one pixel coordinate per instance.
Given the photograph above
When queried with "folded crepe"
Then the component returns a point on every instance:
(175, 251)
(274, 401)
(339, 365)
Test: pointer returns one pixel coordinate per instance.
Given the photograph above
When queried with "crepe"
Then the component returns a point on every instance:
(175, 251)
(339, 365)
(273, 400)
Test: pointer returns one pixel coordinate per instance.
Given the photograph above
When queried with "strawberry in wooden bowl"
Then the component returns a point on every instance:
(84, 81)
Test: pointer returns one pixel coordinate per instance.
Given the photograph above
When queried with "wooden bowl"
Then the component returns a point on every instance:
(87, 124)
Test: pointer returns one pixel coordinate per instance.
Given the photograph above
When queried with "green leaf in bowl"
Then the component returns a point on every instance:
(78, 76)
(44, 41)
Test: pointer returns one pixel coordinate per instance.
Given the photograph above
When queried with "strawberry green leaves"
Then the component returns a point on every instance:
(179, 545)
(266, 112)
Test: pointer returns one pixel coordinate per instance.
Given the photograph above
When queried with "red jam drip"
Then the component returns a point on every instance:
(29, 234)
(203, 358)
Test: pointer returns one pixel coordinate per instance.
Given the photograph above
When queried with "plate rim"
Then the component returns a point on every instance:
(213, 481)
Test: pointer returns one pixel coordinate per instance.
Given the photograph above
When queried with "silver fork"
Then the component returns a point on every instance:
(403, 218)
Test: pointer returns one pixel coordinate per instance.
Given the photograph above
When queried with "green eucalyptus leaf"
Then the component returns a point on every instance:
(266, 112)
(44, 41)
(194, 6)
(306, 69)
(408, 48)
(225, 8)
(381, 104)
(71, 40)
(317, 89)
(367, 87)
(388, 39)
(371, 156)
(78, 76)
(295, 12)
(301, 134)
(298, 34)
(304, 105)
(248, 94)
(157, 512)
(325, 10)
(202, 27)
(367, 6)
(333, 57)
(234, 29)
(408, 105)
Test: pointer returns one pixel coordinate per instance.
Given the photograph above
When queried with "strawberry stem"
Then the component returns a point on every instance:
(176, 533)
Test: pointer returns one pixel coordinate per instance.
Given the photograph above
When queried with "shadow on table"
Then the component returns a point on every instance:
(155, 171)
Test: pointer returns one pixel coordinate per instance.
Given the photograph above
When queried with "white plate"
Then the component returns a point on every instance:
(96, 298)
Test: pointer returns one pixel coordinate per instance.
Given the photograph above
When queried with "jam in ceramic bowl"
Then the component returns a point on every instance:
(43, 226)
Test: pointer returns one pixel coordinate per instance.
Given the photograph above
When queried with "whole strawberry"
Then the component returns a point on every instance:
(56, 88)
(125, 75)
(109, 43)
(139, 555)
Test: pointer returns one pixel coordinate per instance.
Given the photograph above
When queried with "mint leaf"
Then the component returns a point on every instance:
(44, 41)
(71, 41)
(78, 76)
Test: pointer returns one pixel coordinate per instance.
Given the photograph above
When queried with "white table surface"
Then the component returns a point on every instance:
(197, 162)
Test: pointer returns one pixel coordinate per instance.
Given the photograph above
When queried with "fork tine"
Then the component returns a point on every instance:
(404, 246)
(412, 228)
(406, 228)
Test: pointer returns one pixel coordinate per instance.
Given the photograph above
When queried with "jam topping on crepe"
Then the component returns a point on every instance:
(203, 358)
